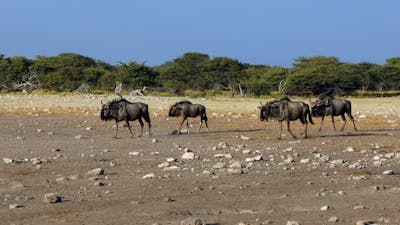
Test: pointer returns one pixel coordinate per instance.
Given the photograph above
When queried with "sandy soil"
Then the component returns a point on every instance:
(295, 178)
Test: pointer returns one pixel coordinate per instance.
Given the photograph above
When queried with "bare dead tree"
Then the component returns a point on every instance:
(29, 82)
(282, 86)
(139, 92)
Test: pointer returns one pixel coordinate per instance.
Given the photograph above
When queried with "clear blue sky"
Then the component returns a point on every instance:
(155, 31)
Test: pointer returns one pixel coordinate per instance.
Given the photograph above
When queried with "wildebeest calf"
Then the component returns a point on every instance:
(123, 110)
(187, 109)
(287, 110)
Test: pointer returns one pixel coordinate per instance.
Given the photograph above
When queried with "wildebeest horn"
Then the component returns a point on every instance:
(261, 103)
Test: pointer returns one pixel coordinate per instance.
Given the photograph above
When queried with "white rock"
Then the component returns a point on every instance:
(149, 176)
(244, 138)
(134, 153)
(236, 165)
(289, 159)
(154, 140)
(171, 159)
(333, 219)
(162, 165)
(388, 172)
(51, 198)
(8, 161)
(304, 161)
(228, 156)
(349, 149)
(390, 155)
(235, 171)
(291, 222)
(219, 165)
(14, 206)
(172, 168)
(188, 156)
(325, 208)
(96, 172)
(36, 161)
(255, 158)
(246, 151)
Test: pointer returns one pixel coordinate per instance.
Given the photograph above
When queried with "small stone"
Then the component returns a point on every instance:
(388, 172)
(219, 165)
(333, 219)
(61, 179)
(171, 159)
(291, 222)
(14, 206)
(51, 198)
(255, 158)
(325, 208)
(96, 172)
(244, 138)
(36, 161)
(172, 168)
(149, 176)
(304, 161)
(188, 156)
(246, 151)
(98, 184)
(8, 161)
(134, 153)
(235, 171)
(162, 165)
(154, 140)
(78, 137)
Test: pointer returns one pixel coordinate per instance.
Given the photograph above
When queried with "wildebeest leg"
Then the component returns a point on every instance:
(322, 122)
(149, 124)
(129, 127)
(141, 126)
(187, 125)
(352, 120)
(116, 132)
(280, 132)
(180, 127)
(201, 124)
(344, 124)
(333, 123)
(288, 128)
(305, 130)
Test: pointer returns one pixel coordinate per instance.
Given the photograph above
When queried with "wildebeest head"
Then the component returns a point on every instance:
(175, 111)
(108, 109)
(319, 107)
(265, 111)
(178, 108)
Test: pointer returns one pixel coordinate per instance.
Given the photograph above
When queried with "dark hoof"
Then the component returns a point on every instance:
(115, 137)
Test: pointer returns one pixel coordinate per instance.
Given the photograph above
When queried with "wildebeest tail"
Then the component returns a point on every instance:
(203, 113)
(308, 112)
(146, 115)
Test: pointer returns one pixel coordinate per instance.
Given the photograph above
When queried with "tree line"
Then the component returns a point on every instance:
(198, 73)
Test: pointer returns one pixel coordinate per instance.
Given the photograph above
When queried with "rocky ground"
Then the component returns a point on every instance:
(65, 168)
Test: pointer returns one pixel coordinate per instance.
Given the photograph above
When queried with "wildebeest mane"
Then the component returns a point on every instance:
(285, 99)
(182, 102)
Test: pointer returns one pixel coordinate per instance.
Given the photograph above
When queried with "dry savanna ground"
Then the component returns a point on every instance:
(238, 173)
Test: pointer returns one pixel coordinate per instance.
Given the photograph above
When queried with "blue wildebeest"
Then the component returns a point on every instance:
(187, 109)
(123, 110)
(329, 105)
(287, 110)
